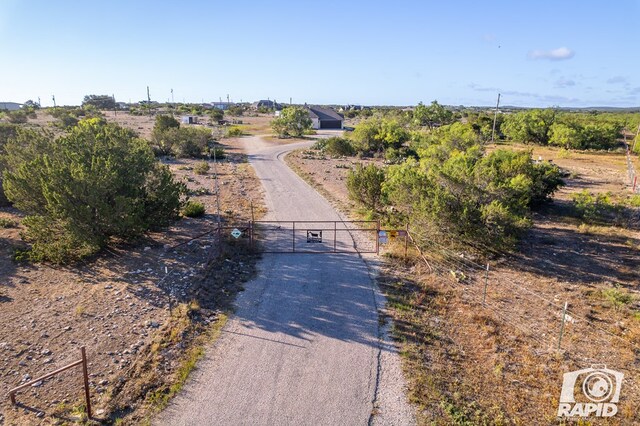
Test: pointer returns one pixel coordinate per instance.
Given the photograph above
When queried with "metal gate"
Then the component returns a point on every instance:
(315, 236)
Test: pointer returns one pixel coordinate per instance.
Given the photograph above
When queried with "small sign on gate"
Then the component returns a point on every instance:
(236, 233)
(314, 236)
(382, 237)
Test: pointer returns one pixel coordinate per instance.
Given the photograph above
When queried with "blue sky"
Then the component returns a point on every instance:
(535, 53)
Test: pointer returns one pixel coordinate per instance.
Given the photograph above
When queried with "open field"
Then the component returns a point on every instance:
(499, 364)
(142, 328)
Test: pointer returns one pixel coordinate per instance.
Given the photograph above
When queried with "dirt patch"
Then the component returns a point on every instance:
(142, 311)
(327, 175)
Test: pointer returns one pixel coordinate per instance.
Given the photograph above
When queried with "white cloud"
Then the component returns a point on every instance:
(558, 54)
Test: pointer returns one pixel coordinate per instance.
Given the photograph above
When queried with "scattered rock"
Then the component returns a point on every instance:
(37, 384)
(152, 324)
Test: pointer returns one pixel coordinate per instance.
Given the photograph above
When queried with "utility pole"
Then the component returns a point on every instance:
(227, 98)
(148, 101)
(495, 117)
(115, 107)
(171, 95)
(54, 101)
(39, 104)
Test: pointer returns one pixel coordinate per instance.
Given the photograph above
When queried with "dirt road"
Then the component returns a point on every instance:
(305, 346)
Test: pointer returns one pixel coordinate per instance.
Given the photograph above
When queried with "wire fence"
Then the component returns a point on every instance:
(633, 176)
(555, 322)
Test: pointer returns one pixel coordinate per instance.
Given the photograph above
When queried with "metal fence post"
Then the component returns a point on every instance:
(85, 375)
(564, 316)
(294, 237)
(406, 240)
(486, 283)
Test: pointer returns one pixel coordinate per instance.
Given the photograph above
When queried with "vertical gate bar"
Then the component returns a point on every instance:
(335, 236)
(86, 381)
(294, 236)
(251, 234)
(378, 237)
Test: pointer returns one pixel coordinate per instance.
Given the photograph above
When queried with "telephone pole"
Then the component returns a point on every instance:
(54, 101)
(495, 117)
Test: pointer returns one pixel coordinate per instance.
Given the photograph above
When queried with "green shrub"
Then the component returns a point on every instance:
(456, 191)
(216, 115)
(365, 186)
(7, 223)
(338, 147)
(7, 131)
(201, 168)
(193, 209)
(293, 122)
(617, 298)
(594, 208)
(164, 122)
(95, 183)
(218, 153)
(234, 132)
(184, 142)
(236, 110)
(17, 117)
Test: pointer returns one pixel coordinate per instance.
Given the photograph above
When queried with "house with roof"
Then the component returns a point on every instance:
(324, 118)
(10, 106)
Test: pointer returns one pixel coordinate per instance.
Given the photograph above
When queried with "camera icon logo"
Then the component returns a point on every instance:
(590, 391)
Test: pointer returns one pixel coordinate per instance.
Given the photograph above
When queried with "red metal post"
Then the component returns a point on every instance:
(635, 182)
(86, 381)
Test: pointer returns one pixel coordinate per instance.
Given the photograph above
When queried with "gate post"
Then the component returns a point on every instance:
(294, 236)
(378, 237)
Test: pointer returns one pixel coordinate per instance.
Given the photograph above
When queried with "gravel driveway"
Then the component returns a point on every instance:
(304, 346)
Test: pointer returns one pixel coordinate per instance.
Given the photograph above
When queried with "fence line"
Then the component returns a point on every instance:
(633, 176)
(505, 298)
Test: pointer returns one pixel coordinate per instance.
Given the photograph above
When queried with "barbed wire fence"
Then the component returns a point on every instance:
(554, 323)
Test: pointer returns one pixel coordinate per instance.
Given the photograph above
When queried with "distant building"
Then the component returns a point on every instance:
(188, 119)
(222, 105)
(263, 104)
(10, 106)
(324, 118)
